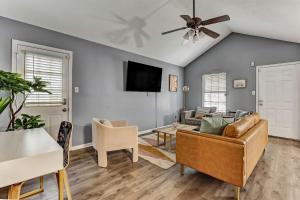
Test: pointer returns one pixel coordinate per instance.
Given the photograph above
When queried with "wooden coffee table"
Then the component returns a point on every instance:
(171, 132)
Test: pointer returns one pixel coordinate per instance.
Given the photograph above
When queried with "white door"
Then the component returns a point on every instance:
(278, 98)
(53, 67)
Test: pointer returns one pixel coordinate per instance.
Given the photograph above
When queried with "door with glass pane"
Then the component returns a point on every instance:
(52, 67)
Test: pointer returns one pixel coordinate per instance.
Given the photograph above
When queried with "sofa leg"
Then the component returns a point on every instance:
(181, 169)
(237, 192)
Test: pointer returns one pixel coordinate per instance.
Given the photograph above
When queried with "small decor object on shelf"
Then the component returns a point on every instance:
(173, 83)
(239, 83)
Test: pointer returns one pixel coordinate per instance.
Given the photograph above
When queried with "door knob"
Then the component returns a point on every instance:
(64, 109)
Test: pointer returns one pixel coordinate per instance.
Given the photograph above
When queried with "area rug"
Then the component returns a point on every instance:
(159, 156)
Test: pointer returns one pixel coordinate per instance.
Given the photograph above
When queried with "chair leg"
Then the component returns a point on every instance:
(102, 158)
(237, 192)
(181, 169)
(34, 192)
(67, 186)
(14, 191)
(60, 176)
(135, 154)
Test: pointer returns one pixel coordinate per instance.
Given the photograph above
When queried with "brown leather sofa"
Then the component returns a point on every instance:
(230, 157)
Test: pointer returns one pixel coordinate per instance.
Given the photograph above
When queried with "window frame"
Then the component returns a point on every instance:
(225, 93)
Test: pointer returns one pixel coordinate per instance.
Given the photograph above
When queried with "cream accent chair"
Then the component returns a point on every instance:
(112, 136)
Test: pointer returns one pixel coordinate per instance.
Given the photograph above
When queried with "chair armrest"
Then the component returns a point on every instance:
(119, 123)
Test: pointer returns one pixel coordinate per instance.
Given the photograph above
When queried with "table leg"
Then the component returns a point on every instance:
(157, 138)
(165, 139)
(60, 185)
(14, 191)
(170, 142)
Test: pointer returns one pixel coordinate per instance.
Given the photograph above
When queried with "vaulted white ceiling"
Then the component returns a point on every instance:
(135, 25)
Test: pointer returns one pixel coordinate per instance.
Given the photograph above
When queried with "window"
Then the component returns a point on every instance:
(214, 91)
(50, 69)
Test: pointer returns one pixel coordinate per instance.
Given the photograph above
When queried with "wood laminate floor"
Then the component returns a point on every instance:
(276, 177)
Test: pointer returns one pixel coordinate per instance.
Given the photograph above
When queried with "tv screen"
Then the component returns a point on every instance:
(143, 78)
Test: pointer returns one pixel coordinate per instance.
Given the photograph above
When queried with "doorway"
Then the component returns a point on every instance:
(278, 91)
(53, 66)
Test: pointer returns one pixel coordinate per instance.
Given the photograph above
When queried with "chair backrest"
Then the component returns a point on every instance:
(63, 139)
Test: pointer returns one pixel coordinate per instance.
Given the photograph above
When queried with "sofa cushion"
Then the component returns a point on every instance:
(213, 109)
(193, 121)
(239, 127)
(106, 122)
(200, 114)
(213, 125)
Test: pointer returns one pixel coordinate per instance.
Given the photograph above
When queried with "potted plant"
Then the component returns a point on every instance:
(15, 86)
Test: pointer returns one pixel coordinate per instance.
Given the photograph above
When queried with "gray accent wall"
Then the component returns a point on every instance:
(233, 56)
(98, 72)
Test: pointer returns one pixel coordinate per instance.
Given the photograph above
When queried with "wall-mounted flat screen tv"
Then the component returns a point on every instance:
(143, 78)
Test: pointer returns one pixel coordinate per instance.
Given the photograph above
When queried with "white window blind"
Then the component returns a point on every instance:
(50, 69)
(214, 91)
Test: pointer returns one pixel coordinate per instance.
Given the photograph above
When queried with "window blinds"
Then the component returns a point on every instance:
(50, 69)
(214, 91)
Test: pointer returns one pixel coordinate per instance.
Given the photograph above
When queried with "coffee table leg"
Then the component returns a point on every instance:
(165, 139)
(158, 138)
(170, 142)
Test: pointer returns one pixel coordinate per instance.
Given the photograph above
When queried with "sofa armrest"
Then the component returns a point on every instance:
(187, 114)
(217, 156)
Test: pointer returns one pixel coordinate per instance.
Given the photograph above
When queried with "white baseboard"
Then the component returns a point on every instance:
(81, 146)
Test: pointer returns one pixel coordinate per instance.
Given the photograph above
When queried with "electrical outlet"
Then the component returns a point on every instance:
(76, 89)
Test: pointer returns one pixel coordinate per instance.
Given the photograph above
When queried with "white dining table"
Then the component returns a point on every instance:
(28, 154)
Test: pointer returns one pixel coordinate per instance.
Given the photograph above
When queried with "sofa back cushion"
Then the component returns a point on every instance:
(241, 126)
(213, 125)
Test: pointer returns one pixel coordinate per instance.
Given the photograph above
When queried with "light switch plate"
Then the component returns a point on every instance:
(76, 89)
(253, 92)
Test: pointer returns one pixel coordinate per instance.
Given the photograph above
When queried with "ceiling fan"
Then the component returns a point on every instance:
(196, 26)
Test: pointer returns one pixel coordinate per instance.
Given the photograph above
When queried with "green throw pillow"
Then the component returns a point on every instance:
(214, 125)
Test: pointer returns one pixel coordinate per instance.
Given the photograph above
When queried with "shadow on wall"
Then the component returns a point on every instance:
(125, 67)
(87, 134)
(169, 119)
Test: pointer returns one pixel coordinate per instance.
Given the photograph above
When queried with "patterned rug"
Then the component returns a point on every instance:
(159, 156)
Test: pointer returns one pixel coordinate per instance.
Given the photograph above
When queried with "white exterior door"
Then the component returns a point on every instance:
(278, 98)
(52, 65)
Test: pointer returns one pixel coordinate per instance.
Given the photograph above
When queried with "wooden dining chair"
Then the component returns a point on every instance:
(63, 139)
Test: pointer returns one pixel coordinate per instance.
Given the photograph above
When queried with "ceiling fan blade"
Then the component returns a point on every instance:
(209, 32)
(171, 31)
(187, 18)
(215, 20)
